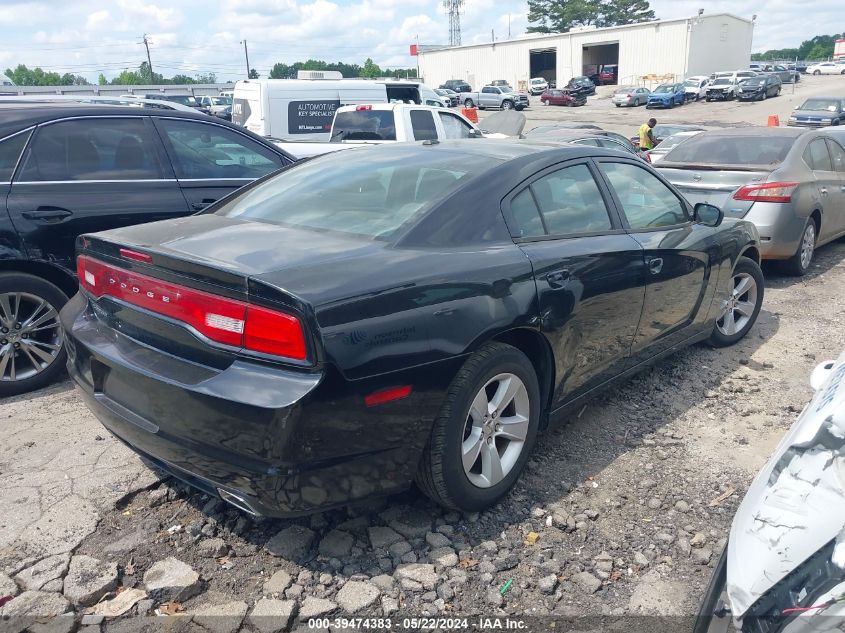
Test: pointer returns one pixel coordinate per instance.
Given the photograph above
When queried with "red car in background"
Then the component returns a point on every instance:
(562, 97)
(608, 75)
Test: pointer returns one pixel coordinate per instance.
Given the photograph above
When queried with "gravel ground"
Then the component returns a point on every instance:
(623, 510)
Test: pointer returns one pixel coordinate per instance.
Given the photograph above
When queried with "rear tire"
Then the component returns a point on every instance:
(40, 355)
(442, 474)
(469, 103)
(740, 311)
(799, 263)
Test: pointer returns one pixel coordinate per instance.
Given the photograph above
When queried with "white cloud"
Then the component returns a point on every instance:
(92, 36)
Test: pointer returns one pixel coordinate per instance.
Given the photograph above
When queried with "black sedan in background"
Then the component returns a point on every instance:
(67, 169)
(396, 313)
(759, 88)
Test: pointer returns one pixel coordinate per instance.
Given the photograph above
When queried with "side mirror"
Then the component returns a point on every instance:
(708, 214)
(476, 134)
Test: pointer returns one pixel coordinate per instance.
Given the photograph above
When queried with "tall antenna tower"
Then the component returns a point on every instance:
(453, 8)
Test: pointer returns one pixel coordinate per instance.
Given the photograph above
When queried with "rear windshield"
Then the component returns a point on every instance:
(183, 99)
(751, 149)
(364, 125)
(830, 105)
(367, 192)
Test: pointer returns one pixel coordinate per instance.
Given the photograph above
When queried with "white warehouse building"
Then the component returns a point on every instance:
(661, 49)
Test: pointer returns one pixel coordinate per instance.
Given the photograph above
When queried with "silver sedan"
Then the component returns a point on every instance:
(789, 182)
(630, 96)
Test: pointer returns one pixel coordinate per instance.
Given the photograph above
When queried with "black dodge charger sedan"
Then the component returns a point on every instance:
(396, 313)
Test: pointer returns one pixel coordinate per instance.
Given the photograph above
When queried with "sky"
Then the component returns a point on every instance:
(87, 37)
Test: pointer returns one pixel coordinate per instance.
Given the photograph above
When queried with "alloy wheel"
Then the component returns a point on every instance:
(30, 336)
(495, 430)
(738, 310)
(808, 245)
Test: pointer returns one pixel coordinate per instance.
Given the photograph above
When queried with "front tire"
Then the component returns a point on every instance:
(799, 263)
(507, 105)
(469, 103)
(32, 349)
(739, 312)
(485, 431)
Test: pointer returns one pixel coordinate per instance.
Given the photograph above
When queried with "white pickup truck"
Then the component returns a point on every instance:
(387, 123)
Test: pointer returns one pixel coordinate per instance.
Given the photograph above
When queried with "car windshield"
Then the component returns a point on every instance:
(665, 131)
(364, 125)
(372, 195)
(663, 89)
(750, 149)
(722, 81)
(221, 101)
(542, 130)
(691, 83)
(831, 105)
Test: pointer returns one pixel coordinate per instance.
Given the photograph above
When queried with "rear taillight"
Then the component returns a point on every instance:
(223, 320)
(767, 192)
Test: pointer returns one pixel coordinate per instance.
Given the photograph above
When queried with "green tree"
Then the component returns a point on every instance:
(101, 80)
(205, 78)
(253, 74)
(280, 71)
(559, 16)
(370, 69)
(616, 12)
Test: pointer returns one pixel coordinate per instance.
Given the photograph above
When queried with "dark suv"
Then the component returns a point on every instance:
(68, 169)
(458, 85)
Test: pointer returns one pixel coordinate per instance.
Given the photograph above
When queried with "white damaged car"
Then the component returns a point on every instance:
(784, 566)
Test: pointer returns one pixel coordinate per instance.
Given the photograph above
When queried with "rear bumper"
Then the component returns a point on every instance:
(283, 442)
(779, 226)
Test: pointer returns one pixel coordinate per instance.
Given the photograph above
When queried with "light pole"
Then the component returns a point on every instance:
(246, 54)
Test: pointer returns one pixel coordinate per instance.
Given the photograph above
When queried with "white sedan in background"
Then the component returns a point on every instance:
(695, 88)
(826, 68)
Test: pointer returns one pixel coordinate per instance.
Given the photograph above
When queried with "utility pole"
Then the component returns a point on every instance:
(246, 54)
(509, 26)
(149, 61)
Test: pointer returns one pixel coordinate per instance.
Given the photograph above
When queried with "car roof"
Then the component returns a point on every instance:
(794, 132)
(18, 116)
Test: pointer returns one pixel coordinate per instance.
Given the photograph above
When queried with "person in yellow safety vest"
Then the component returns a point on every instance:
(647, 136)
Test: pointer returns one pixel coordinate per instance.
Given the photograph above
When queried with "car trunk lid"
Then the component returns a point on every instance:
(714, 184)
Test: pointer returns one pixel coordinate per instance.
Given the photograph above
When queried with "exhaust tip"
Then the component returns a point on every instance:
(239, 502)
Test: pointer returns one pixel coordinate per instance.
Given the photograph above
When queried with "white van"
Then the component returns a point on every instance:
(303, 109)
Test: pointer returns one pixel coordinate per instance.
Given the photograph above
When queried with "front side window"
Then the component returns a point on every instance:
(646, 202)
(453, 127)
(204, 151)
(93, 149)
(422, 124)
(10, 152)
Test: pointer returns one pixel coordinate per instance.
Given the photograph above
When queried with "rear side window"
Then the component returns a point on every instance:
(203, 151)
(10, 152)
(364, 125)
(569, 202)
(817, 157)
(422, 124)
(760, 149)
(93, 149)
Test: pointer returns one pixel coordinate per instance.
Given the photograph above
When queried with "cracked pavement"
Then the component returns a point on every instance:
(60, 472)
